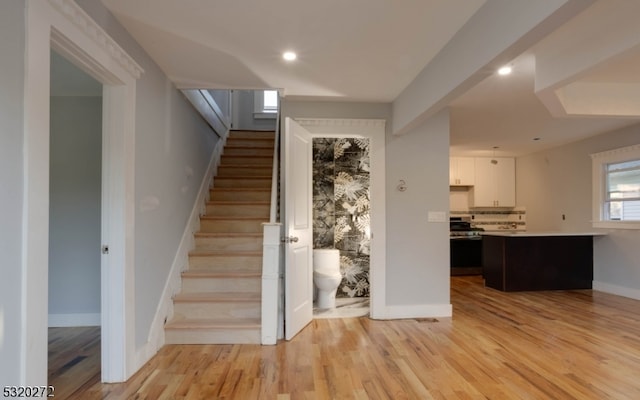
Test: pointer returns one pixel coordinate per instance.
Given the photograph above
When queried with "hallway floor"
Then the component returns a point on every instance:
(345, 308)
(523, 345)
(74, 360)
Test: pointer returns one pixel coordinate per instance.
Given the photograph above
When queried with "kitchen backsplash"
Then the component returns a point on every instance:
(489, 219)
(495, 219)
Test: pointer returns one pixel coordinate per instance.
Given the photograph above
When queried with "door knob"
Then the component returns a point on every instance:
(289, 239)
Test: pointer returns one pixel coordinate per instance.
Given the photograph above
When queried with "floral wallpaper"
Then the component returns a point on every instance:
(341, 204)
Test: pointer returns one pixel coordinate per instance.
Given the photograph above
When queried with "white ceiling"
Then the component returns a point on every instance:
(348, 50)
(370, 50)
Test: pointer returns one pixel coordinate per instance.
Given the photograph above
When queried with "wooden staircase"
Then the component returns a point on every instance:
(220, 301)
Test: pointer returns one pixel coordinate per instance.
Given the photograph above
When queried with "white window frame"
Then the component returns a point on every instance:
(599, 161)
(259, 111)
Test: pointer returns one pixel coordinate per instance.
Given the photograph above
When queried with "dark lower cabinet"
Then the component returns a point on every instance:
(522, 263)
(466, 256)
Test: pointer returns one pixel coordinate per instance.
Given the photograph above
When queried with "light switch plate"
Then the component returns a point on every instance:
(437, 216)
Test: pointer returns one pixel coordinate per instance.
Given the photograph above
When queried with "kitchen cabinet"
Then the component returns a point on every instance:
(461, 171)
(495, 183)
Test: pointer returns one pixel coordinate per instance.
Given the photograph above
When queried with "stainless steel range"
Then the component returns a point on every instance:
(465, 247)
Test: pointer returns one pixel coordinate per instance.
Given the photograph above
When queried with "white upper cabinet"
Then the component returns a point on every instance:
(461, 171)
(495, 183)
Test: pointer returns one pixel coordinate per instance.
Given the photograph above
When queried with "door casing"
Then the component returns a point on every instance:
(66, 28)
(375, 131)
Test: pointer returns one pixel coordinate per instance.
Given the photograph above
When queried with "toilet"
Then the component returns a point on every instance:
(326, 276)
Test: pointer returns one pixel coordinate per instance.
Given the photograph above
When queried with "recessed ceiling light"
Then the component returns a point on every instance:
(506, 70)
(289, 55)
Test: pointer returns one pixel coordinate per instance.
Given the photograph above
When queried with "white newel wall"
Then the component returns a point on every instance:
(271, 272)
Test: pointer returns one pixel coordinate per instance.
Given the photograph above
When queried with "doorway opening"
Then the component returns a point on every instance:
(370, 134)
(341, 219)
(75, 226)
(68, 30)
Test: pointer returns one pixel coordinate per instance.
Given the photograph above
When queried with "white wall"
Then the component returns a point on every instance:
(12, 41)
(418, 250)
(558, 181)
(74, 210)
(417, 262)
(223, 100)
(173, 149)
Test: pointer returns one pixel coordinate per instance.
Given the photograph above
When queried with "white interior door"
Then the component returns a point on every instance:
(298, 228)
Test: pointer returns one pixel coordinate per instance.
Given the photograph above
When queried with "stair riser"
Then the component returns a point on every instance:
(213, 336)
(236, 210)
(229, 243)
(240, 195)
(242, 183)
(256, 143)
(252, 134)
(225, 263)
(238, 160)
(248, 151)
(227, 309)
(221, 285)
(265, 170)
(234, 226)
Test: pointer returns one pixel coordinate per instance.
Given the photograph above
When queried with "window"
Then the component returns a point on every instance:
(622, 199)
(265, 104)
(270, 103)
(616, 188)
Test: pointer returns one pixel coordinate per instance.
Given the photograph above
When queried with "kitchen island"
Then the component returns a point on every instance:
(523, 261)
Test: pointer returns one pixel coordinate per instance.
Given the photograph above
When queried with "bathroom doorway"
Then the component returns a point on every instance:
(370, 134)
(341, 218)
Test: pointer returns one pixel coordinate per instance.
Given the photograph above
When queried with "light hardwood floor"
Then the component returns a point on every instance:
(535, 345)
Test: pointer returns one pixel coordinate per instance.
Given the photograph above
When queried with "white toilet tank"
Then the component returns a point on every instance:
(326, 260)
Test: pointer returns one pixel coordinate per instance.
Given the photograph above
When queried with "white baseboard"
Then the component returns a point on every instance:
(65, 320)
(415, 311)
(617, 290)
(164, 311)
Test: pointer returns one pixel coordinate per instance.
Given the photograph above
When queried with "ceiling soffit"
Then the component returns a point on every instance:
(593, 70)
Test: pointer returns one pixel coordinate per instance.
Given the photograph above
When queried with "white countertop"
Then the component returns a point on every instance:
(541, 233)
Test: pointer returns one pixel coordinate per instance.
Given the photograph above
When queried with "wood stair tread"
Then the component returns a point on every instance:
(239, 203)
(253, 166)
(214, 323)
(266, 136)
(221, 274)
(217, 297)
(269, 146)
(236, 253)
(229, 234)
(246, 166)
(261, 135)
(244, 177)
(233, 202)
(244, 156)
(234, 218)
(227, 189)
